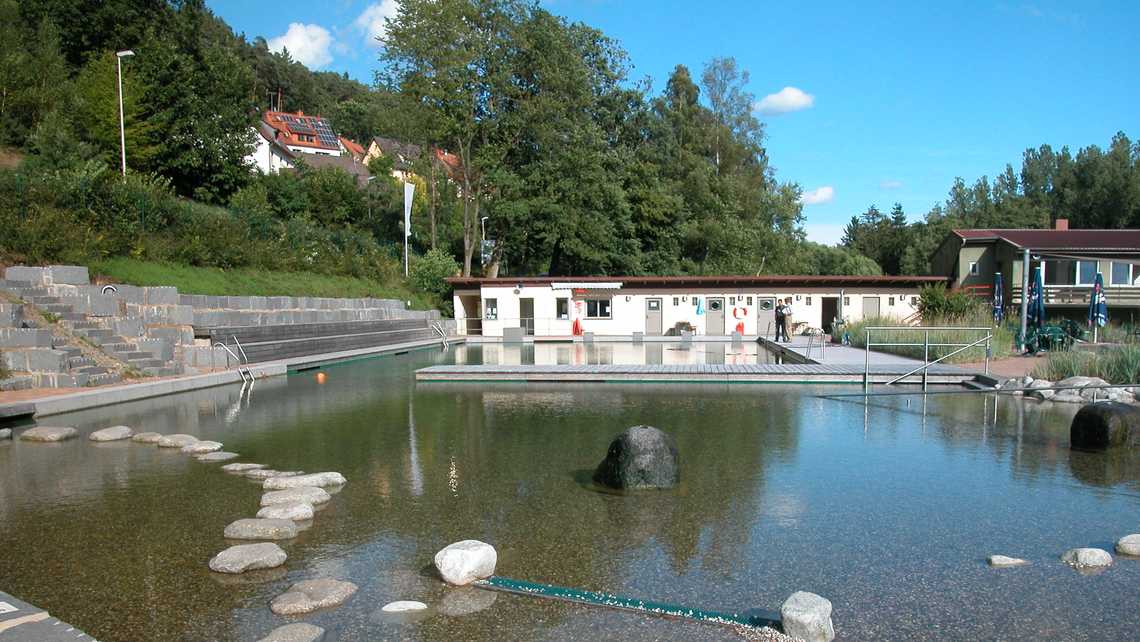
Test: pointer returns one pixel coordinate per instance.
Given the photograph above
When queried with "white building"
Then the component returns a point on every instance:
(712, 306)
(270, 156)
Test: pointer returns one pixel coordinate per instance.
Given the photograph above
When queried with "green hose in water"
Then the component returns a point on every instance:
(598, 598)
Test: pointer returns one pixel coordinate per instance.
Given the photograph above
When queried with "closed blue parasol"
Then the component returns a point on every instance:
(1036, 311)
(999, 300)
(1098, 304)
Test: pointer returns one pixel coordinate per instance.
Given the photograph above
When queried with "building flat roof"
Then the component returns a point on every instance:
(705, 281)
(1114, 240)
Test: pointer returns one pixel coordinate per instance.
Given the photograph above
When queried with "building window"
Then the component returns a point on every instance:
(491, 309)
(749, 300)
(973, 268)
(562, 309)
(914, 302)
(890, 300)
(732, 300)
(1125, 273)
(807, 301)
(1086, 272)
(597, 308)
(676, 301)
(1060, 272)
(846, 300)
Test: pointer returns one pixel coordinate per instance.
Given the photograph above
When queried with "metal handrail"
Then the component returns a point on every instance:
(244, 372)
(926, 365)
(436, 326)
(241, 348)
(925, 327)
(926, 345)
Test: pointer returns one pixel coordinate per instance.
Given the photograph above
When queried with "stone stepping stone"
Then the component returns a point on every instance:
(318, 480)
(311, 595)
(202, 447)
(462, 563)
(266, 473)
(242, 468)
(49, 433)
(402, 606)
(147, 437)
(248, 557)
(114, 433)
(293, 495)
(255, 528)
(5, 433)
(299, 632)
(807, 616)
(296, 511)
(176, 441)
(1087, 558)
(1002, 561)
(1129, 545)
(221, 455)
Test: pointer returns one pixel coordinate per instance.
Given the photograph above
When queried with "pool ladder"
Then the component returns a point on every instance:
(243, 371)
(437, 328)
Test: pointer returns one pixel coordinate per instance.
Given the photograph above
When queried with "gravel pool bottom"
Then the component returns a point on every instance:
(888, 509)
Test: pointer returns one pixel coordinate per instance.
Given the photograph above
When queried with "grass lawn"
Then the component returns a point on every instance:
(251, 282)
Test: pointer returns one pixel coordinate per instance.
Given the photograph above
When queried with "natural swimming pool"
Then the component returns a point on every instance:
(886, 509)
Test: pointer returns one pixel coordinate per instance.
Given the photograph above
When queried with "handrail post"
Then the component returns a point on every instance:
(925, 358)
(866, 361)
(989, 350)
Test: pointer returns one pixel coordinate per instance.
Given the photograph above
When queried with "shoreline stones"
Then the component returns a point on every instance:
(1099, 426)
(265, 473)
(202, 447)
(176, 441)
(220, 455)
(319, 480)
(1003, 561)
(114, 433)
(261, 528)
(311, 595)
(5, 433)
(147, 437)
(642, 457)
(1087, 558)
(294, 495)
(298, 632)
(403, 606)
(242, 468)
(462, 563)
(49, 434)
(1129, 545)
(807, 616)
(295, 511)
(248, 557)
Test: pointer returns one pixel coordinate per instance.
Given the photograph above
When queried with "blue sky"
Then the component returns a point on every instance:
(878, 103)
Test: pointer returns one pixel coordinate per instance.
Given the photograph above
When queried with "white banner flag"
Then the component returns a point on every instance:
(409, 192)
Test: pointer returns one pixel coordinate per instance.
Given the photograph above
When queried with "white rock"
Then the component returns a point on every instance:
(1039, 389)
(248, 557)
(202, 447)
(176, 441)
(5, 433)
(1068, 396)
(293, 495)
(1081, 382)
(1087, 558)
(1001, 561)
(401, 606)
(1129, 545)
(266, 473)
(147, 437)
(114, 433)
(241, 468)
(807, 616)
(220, 455)
(299, 632)
(311, 595)
(296, 511)
(261, 529)
(49, 433)
(318, 480)
(464, 562)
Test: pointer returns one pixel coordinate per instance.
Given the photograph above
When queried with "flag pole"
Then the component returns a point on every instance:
(1024, 296)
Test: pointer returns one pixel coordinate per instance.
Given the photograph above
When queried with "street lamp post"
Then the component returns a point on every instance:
(119, 55)
(483, 227)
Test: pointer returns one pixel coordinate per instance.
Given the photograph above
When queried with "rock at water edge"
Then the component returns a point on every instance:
(242, 468)
(202, 447)
(299, 632)
(1040, 389)
(221, 455)
(642, 457)
(261, 529)
(402, 606)
(1002, 561)
(1087, 558)
(5, 433)
(147, 437)
(49, 433)
(311, 595)
(248, 557)
(1105, 425)
(1129, 545)
(318, 480)
(296, 511)
(807, 616)
(176, 441)
(306, 495)
(266, 473)
(114, 433)
(464, 562)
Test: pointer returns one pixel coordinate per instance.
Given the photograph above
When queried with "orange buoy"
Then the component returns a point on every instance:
(322, 377)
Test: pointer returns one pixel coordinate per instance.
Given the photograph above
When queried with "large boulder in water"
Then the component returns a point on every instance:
(641, 457)
(1105, 425)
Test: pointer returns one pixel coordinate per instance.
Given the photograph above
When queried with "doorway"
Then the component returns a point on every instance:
(653, 321)
(829, 311)
(526, 316)
(714, 317)
(870, 307)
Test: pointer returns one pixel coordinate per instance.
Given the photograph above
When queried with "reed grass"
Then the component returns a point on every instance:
(1119, 365)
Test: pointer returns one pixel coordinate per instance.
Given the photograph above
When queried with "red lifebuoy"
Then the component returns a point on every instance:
(739, 313)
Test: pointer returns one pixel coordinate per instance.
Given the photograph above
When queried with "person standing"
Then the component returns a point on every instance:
(781, 329)
(788, 319)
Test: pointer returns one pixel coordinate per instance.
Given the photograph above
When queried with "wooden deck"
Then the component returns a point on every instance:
(751, 373)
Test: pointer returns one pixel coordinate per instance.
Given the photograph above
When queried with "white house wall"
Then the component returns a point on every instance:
(628, 308)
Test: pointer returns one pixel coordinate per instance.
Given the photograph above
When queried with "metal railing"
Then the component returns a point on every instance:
(244, 372)
(924, 369)
(1079, 294)
(437, 328)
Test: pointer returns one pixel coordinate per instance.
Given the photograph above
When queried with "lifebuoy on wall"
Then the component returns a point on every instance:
(739, 313)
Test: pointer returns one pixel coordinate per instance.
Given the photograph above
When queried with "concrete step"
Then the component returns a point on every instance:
(143, 364)
(134, 355)
(163, 371)
(43, 300)
(18, 382)
(84, 324)
(26, 338)
(91, 370)
(11, 284)
(60, 380)
(35, 360)
(104, 379)
(97, 335)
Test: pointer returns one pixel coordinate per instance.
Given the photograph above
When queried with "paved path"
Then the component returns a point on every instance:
(26, 623)
(834, 353)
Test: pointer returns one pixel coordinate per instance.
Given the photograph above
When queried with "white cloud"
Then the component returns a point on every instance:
(786, 100)
(824, 194)
(307, 44)
(890, 184)
(825, 233)
(373, 22)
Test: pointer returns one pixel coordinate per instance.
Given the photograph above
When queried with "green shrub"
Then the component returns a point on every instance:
(935, 301)
(1120, 365)
(430, 271)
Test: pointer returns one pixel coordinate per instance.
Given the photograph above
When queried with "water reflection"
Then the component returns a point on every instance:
(603, 353)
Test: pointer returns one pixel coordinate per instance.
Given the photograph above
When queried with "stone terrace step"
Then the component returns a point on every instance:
(271, 350)
(255, 334)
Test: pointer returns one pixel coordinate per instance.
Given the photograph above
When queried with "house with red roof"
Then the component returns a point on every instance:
(1070, 261)
(283, 137)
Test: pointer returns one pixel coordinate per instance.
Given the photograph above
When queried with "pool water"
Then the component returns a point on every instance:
(616, 353)
(888, 509)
